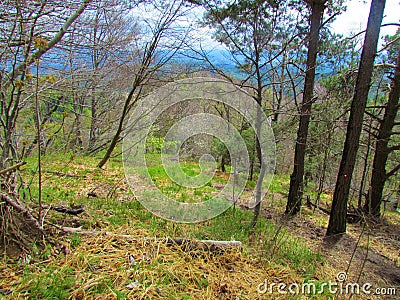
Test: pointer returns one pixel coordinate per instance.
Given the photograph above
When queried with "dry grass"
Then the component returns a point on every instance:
(113, 267)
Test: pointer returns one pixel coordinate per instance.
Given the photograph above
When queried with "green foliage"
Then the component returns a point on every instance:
(254, 32)
(220, 151)
(155, 144)
(280, 184)
(393, 42)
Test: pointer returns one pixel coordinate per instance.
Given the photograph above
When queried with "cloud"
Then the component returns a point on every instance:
(356, 17)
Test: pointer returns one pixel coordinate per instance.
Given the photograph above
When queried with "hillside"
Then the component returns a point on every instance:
(121, 251)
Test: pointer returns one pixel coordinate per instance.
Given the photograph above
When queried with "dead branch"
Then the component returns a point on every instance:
(12, 168)
(310, 204)
(75, 210)
(64, 175)
(24, 211)
(203, 245)
(351, 217)
(185, 244)
(393, 171)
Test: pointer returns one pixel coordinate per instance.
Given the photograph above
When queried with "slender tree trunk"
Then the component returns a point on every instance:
(296, 178)
(366, 166)
(258, 99)
(324, 167)
(76, 130)
(379, 175)
(337, 220)
(9, 145)
(95, 65)
(281, 87)
(261, 175)
(93, 123)
(252, 161)
(117, 134)
(143, 74)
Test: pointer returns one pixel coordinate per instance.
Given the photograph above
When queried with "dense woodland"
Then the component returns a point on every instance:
(73, 71)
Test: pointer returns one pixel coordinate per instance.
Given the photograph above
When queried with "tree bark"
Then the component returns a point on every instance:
(337, 219)
(379, 175)
(296, 178)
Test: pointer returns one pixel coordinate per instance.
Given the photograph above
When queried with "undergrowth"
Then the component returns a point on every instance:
(84, 265)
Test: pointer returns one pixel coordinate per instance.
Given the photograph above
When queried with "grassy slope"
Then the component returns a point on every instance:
(116, 266)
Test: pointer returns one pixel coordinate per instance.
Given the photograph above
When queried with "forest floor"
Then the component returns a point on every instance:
(368, 253)
(122, 252)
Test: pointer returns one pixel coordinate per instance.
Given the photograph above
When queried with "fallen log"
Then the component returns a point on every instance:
(185, 244)
(203, 245)
(73, 210)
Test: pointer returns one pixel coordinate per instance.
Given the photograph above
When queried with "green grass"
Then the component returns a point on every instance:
(277, 247)
(233, 224)
(280, 184)
(54, 283)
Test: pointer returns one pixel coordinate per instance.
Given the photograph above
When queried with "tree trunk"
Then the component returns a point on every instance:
(296, 178)
(146, 69)
(252, 161)
(117, 134)
(94, 102)
(257, 207)
(321, 180)
(261, 175)
(77, 126)
(93, 123)
(281, 88)
(379, 176)
(365, 168)
(337, 220)
(223, 163)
